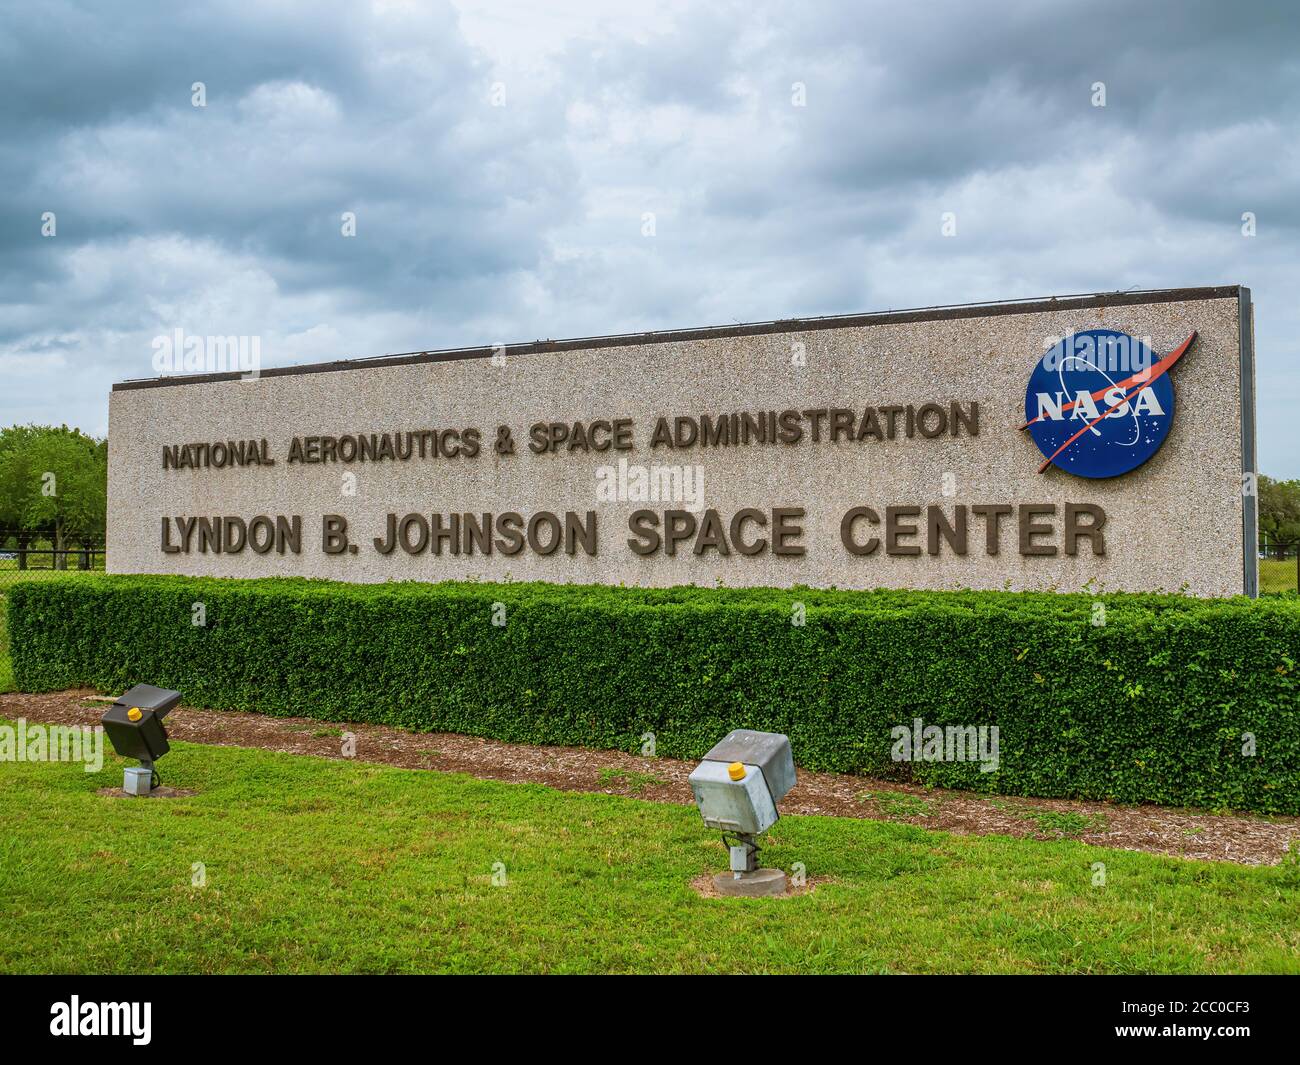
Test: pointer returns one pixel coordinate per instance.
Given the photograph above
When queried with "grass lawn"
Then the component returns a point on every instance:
(1277, 576)
(315, 865)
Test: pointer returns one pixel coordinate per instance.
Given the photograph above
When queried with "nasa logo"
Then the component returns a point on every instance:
(1099, 404)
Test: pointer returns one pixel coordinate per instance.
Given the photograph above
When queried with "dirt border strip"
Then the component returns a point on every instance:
(1246, 840)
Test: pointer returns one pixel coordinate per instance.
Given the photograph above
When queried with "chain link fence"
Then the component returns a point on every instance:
(38, 558)
(1279, 565)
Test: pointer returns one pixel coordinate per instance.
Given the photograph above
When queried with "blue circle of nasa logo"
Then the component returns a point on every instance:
(1099, 404)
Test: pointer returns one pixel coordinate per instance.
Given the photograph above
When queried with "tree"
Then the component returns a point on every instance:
(13, 441)
(1279, 509)
(53, 482)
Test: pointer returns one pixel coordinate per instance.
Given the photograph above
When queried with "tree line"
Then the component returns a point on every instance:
(1279, 511)
(53, 489)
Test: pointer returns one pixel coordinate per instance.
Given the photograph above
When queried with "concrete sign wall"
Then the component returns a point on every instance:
(1096, 441)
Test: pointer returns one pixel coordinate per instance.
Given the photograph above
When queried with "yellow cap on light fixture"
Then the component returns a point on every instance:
(134, 714)
(736, 771)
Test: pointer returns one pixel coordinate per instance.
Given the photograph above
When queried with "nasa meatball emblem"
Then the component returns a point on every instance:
(1099, 403)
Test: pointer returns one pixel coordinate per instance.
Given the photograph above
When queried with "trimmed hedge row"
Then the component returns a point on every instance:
(1153, 705)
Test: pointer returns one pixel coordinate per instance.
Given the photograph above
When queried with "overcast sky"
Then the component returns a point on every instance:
(501, 157)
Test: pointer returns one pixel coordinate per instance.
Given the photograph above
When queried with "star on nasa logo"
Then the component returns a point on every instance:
(1099, 404)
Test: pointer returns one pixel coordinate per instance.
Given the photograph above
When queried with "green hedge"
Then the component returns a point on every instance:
(1149, 707)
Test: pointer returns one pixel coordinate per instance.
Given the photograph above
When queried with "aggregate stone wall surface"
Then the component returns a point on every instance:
(1174, 523)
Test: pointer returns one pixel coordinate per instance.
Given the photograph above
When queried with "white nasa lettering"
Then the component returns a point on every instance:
(1084, 407)
(1115, 398)
(1147, 403)
(1049, 409)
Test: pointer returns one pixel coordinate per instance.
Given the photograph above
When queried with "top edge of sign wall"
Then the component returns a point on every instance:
(1036, 305)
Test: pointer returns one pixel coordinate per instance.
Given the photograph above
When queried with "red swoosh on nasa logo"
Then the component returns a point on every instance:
(1143, 377)
(1158, 370)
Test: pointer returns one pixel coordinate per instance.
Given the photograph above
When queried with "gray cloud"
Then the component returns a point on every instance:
(478, 223)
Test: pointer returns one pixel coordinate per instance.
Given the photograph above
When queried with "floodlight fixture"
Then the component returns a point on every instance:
(736, 788)
(134, 726)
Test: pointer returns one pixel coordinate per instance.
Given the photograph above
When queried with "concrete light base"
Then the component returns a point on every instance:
(761, 883)
(137, 782)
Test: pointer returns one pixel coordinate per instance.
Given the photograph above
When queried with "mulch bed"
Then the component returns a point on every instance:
(1248, 840)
